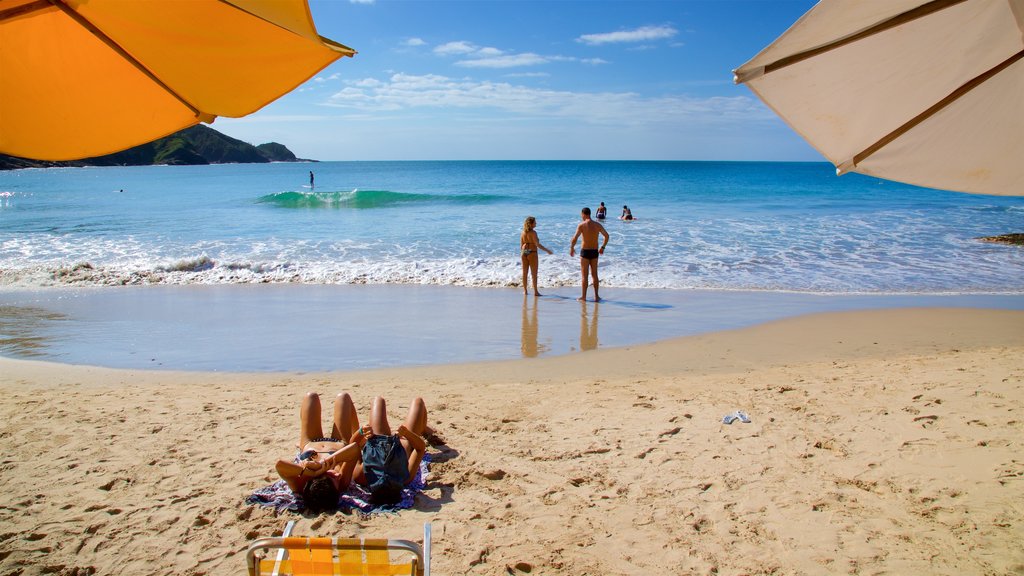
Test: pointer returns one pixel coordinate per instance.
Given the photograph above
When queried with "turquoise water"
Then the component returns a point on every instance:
(709, 225)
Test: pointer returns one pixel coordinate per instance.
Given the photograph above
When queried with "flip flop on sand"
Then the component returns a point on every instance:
(737, 415)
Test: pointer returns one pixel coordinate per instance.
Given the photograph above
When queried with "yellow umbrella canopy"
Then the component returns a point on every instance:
(925, 92)
(82, 78)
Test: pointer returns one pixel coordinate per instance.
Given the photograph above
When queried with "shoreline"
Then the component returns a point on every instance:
(314, 328)
(771, 344)
(886, 441)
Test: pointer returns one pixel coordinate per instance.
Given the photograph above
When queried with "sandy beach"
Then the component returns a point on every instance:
(880, 442)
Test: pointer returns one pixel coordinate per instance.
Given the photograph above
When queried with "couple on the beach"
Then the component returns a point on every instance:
(589, 230)
(384, 463)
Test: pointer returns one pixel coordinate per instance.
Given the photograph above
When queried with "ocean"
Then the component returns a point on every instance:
(793, 230)
(709, 225)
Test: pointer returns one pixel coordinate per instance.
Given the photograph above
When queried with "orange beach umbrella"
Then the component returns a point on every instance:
(82, 78)
(925, 92)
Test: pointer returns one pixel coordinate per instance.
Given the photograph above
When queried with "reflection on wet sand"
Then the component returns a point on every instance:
(22, 331)
(588, 330)
(531, 348)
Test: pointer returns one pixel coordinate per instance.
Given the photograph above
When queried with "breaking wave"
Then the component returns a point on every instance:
(368, 199)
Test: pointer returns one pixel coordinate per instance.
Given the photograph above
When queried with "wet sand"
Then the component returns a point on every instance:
(292, 327)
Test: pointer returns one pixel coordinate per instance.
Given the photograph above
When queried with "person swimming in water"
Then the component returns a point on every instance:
(626, 213)
(602, 212)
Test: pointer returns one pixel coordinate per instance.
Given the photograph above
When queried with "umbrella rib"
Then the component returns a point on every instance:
(71, 13)
(24, 9)
(952, 97)
(898, 20)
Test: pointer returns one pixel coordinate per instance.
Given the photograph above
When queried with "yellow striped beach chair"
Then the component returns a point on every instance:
(303, 556)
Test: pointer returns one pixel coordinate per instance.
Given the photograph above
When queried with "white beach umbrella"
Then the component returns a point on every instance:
(928, 93)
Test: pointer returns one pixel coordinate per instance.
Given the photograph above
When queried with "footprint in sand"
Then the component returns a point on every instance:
(523, 567)
(671, 432)
(496, 474)
(644, 454)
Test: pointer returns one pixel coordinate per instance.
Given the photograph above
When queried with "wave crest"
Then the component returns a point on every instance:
(368, 199)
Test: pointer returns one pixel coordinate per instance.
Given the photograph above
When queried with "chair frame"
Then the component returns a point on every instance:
(419, 564)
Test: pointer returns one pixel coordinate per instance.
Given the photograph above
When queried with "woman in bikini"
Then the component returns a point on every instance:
(327, 465)
(529, 243)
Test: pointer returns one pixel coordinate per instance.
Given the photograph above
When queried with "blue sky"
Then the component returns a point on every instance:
(545, 80)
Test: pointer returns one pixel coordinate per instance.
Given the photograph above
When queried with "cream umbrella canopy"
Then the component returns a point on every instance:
(928, 93)
(83, 78)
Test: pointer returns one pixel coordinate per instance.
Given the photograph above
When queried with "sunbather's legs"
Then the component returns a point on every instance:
(416, 422)
(309, 419)
(379, 417)
(417, 418)
(346, 421)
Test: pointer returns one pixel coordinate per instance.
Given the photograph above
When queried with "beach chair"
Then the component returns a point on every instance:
(301, 556)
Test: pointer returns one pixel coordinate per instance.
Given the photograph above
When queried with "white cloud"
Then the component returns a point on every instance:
(415, 42)
(642, 34)
(509, 61)
(406, 92)
(321, 79)
(452, 48)
(528, 75)
(362, 1)
(473, 56)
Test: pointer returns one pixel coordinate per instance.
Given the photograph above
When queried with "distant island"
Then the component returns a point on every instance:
(191, 146)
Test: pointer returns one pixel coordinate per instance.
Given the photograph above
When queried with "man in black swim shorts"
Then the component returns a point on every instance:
(589, 230)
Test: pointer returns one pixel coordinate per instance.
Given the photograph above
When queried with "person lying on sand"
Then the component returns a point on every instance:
(373, 456)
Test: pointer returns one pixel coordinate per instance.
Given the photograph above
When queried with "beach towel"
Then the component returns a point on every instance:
(281, 498)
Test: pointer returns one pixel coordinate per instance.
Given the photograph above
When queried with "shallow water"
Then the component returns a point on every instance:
(330, 327)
